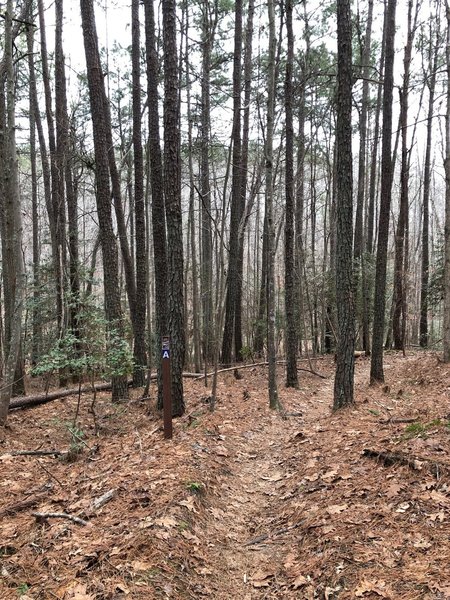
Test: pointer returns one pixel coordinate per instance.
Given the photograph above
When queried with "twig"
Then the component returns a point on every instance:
(394, 421)
(49, 473)
(102, 500)
(79, 438)
(44, 516)
(37, 453)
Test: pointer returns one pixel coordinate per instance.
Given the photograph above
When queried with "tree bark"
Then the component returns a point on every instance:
(236, 196)
(291, 301)
(12, 222)
(376, 366)
(271, 348)
(139, 350)
(345, 351)
(103, 194)
(172, 194)
(157, 188)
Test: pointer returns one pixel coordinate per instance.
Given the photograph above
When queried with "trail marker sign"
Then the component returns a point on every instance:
(167, 391)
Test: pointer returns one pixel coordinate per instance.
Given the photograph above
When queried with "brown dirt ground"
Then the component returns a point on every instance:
(242, 504)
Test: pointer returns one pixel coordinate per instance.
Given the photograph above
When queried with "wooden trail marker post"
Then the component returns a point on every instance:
(167, 391)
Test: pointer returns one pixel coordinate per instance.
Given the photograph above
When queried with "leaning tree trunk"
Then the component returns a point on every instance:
(103, 194)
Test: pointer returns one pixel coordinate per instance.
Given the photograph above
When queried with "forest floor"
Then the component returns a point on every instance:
(242, 504)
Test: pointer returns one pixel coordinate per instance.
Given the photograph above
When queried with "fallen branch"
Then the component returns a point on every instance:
(45, 516)
(19, 506)
(397, 421)
(238, 367)
(37, 453)
(102, 500)
(391, 458)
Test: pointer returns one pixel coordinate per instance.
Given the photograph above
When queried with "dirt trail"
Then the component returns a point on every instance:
(247, 538)
(241, 504)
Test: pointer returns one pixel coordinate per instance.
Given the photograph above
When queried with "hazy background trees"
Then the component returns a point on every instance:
(198, 155)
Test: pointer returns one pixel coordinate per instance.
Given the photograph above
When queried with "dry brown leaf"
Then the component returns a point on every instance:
(372, 587)
(275, 477)
(189, 504)
(166, 522)
(140, 565)
(299, 582)
(78, 591)
(393, 490)
(336, 509)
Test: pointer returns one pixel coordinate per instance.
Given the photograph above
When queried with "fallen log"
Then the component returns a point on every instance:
(37, 399)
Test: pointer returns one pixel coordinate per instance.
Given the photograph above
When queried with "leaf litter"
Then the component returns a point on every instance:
(242, 504)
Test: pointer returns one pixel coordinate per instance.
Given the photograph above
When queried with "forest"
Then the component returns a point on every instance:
(261, 193)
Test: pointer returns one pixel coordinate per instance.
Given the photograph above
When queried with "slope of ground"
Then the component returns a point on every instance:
(242, 504)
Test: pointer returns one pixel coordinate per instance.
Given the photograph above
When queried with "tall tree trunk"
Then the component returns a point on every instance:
(376, 366)
(291, 304)
(345, 351)
(446, 328)
(208, 27)
(12, 225)
(431, 83)
(57, 225)
(103, 194)
(140, 354)
(238, 341)
(402, 223)
(361, 276)
(157, 187)
(65, 184)
(191, 226)
(36, 317)
(236, 196)
(172, 194)
(271, 246)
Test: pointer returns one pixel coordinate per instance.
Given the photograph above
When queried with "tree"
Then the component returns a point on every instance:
(291, 308)
(236, 210)
(401, 237)
(172, 196)
(345, 350)
(446, 329)
(103, 192)
(358, 253)
(433, 56)
(376, 365)
(271, 350)
(140, 355)
(14, 269)
(157, 189)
